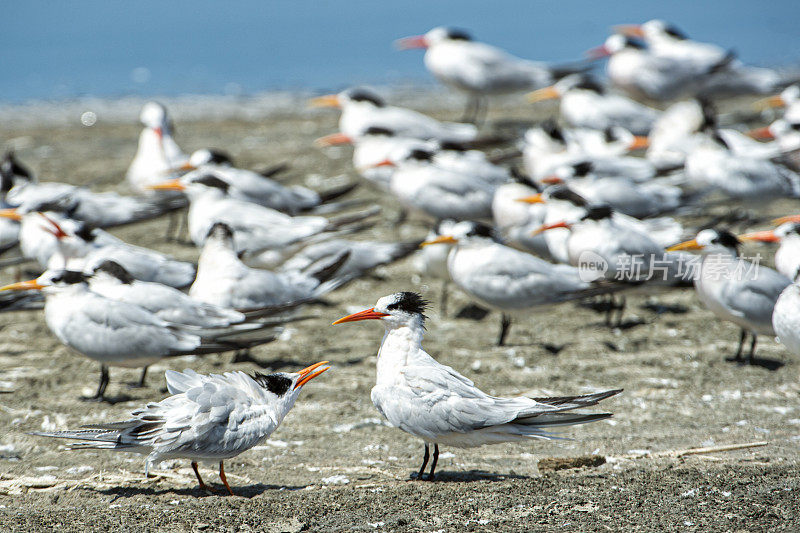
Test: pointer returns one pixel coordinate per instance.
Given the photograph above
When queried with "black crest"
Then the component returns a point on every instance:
(221, 229)
(709, 114)
(377, 130)
(673, 31)
(11, 168)
(70, 277)
(210, 180)
(727, 239)
(453, 146)
(582, 169)
(116, 270)
(363, 95)
(551, 129)
(588, 83)
(277, 384)
(633, 43)
(479, 229)
(598, 212)
(410, 302)
(562, 192)
(420, 155)
(218, 157)
(455, 34)
(86, 232)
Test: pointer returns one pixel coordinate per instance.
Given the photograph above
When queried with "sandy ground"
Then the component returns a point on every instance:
(333, 464)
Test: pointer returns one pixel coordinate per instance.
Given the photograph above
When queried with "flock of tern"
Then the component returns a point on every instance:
(580, 206)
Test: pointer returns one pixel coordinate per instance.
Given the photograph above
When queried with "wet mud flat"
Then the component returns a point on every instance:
(695, 444)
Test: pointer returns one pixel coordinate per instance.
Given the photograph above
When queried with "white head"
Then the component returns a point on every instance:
(209, 156)
(711, 241)
(438, 35)
(154, 116)
(52, 282)
(401, 309)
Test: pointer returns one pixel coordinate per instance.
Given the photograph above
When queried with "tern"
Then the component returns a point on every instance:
(787, 256)
(587, 104)
(207, 418)
(478, 69)
(117, 333)
(734, 289)
(256, 228)
(158, 152)
(105, 209)
(254, 187)
(503, 278)
(721, 73)
(224, 280)
(439, 192)
(82, 247)
(429, 400)
(362, 109)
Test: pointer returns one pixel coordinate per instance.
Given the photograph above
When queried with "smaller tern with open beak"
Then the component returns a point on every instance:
(432, 401)
(208, 418)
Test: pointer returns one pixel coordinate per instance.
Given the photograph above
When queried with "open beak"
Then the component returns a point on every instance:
(548, 93)
(534, 199)
(760, 236)
(545, 227)
(549, 180)
(54, 228)
(761, 134)
(409, 43)
(629, 30)
(639, 142)
(769, 103)
(334, 139)
(306, 374)
(784, 220)
(598, 52)
(444, 239)
(329, 100)
(170, 185)
(30, 285)
(686, 245)
(366, 314)
(11, 213)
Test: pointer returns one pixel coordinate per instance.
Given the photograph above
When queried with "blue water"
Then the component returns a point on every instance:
(148, 47)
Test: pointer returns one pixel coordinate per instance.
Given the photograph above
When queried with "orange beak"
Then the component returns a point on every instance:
(329, 100)
(760, 236)
(686, 245)
(384, 163)
(551, 180)
(784, 220)
(769, 103)
(545, 227)
(367, 314)
(186, 167)
(548, 93)
(306, 375)
(534, 199)
(170, 185)
(11, 213)
(409, 43)
(761, 134)
(159, 133)
(629, 30)
(23, 286)
(639, 142)
(55, 228)
(334, 139)
(598, 52)
(444, 239)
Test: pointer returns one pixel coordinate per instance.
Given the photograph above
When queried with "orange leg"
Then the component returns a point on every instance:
(224, 480)
(203, 486)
